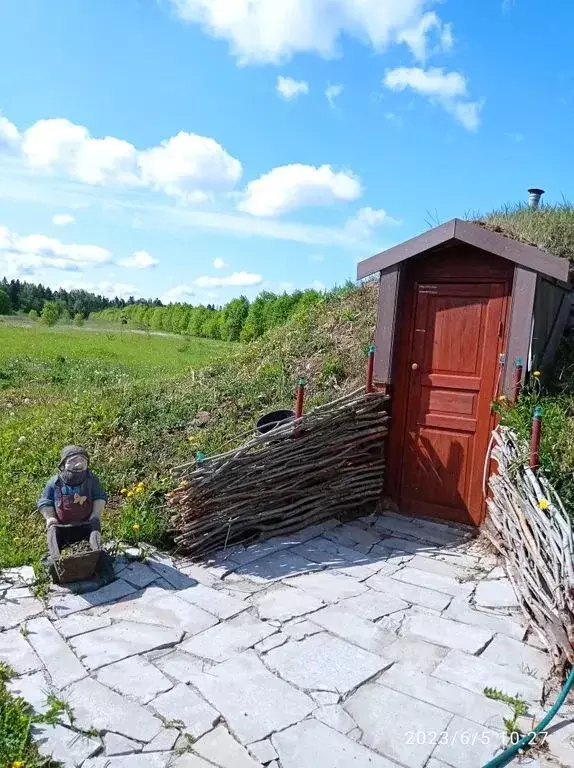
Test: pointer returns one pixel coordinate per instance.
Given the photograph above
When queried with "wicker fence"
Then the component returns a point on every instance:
(530, 527)
(330, 462)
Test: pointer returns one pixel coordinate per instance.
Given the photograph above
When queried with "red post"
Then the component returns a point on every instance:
(300, 398)
(535, 438)
(517, 380)
(370, 368)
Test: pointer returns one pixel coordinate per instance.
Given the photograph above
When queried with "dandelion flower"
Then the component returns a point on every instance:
(543, 504)
(136, 526)
(17, 764)
(124, 491)
(536, 374)
(130, 494)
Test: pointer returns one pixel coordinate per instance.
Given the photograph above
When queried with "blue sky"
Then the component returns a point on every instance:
(200, 149)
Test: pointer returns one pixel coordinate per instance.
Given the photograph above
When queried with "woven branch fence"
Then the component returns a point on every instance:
(529, 526)
(328, 463)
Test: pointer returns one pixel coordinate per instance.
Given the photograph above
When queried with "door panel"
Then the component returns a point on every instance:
(451, 383)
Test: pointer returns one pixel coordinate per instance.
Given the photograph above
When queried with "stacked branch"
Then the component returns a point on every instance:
(530, 527)
(329, 463)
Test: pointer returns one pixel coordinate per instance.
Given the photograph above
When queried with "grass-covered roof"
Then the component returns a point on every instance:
(550, 227)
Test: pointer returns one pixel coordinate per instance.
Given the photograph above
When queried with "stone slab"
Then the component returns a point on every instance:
(328, 587)
(434, 565)
(139, 575)
(213, 601)
(181, 666)
(284, 603)
(64, 605)
(445, 632)
(325, 663)
(312, 744)
(14, 613)
(335, 717)
(34, 689)
(96, 706)
(421, 655)
(325, 698)
(151, 760)
(476, 673)
(67, 747)
(348, 626)
(299, 629)
(404, 677)
(519, 657)
(224, 640)
(391, 721)
(350, 534)
(80, 623)
(114, 744)
(273, 641)
(190, 761)
(253, 701)
(408, 546)
(18, 653)
(435, 581)
(163, 609)
(135, 678)
(181, 704)
(62, 665)
(506, 625)
(175, 578)
(104, 646)
(263, 751)
(164, 741)
(277, 566)
(468, 745)
(497, 593)
(372, 605)
(219, 747)
(24, 574)
(410, 593)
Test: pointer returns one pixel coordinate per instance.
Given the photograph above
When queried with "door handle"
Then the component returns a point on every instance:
(414, 366)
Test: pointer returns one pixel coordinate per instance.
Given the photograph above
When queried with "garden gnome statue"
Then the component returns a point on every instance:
(72, 503)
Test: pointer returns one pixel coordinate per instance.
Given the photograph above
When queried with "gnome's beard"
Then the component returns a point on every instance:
(73, 477)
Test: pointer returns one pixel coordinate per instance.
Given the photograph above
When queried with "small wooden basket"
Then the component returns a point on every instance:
(76, 567)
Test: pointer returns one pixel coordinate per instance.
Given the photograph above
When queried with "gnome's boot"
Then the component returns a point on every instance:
(95, 541)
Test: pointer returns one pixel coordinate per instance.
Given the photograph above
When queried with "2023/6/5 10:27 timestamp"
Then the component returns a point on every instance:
(470, 738)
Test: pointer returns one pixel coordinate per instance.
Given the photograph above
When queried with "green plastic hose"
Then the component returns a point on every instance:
(505, 757)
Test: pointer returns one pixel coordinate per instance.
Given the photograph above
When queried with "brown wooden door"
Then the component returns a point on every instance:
(451, 379)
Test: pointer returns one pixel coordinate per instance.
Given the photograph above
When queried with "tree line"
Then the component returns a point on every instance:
(238, 320)
(17, 296)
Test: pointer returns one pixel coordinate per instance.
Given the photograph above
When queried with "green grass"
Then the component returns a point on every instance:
(550, 227)
(131, 400)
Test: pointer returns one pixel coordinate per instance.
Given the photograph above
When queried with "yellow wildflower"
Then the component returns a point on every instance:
(130, 494)
(536, 374)
(543, 504)
(124, 491)
(17, 764)
(502, 398)
(136, 526)
(140, 488)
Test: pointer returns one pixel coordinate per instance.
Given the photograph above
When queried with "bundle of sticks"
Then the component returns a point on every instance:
(528, 524)
(327, 464)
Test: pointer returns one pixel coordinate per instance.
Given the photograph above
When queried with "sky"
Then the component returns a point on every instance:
(197, 150)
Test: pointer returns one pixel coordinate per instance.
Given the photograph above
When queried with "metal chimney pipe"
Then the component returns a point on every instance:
(534, 196)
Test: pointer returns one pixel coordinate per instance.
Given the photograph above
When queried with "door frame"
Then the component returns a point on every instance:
(439, 270)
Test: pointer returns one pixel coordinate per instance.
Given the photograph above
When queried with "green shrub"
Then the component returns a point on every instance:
(50, 313)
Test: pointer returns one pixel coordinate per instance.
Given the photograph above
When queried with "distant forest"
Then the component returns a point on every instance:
(24, 297)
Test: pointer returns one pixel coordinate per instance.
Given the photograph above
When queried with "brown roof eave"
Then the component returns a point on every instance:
(467, 232)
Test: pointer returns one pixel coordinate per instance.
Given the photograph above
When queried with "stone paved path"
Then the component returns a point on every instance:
(367, 644)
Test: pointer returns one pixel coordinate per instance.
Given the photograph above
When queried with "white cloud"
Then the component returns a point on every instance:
(219, 263)
(367, 220)
(271, 31)
(317, 285)
(449, 89)
(189, 166)
(103, 288)
(418, 37)
(178, 294)
(333, 92)
(139, 260)
(291, 186)
(289, 89)
(186, 165)
(26, 254)
(237, 280)
(61, 146)
(62, 219)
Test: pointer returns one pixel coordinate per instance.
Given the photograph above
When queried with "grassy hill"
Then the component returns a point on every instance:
(132, 400)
